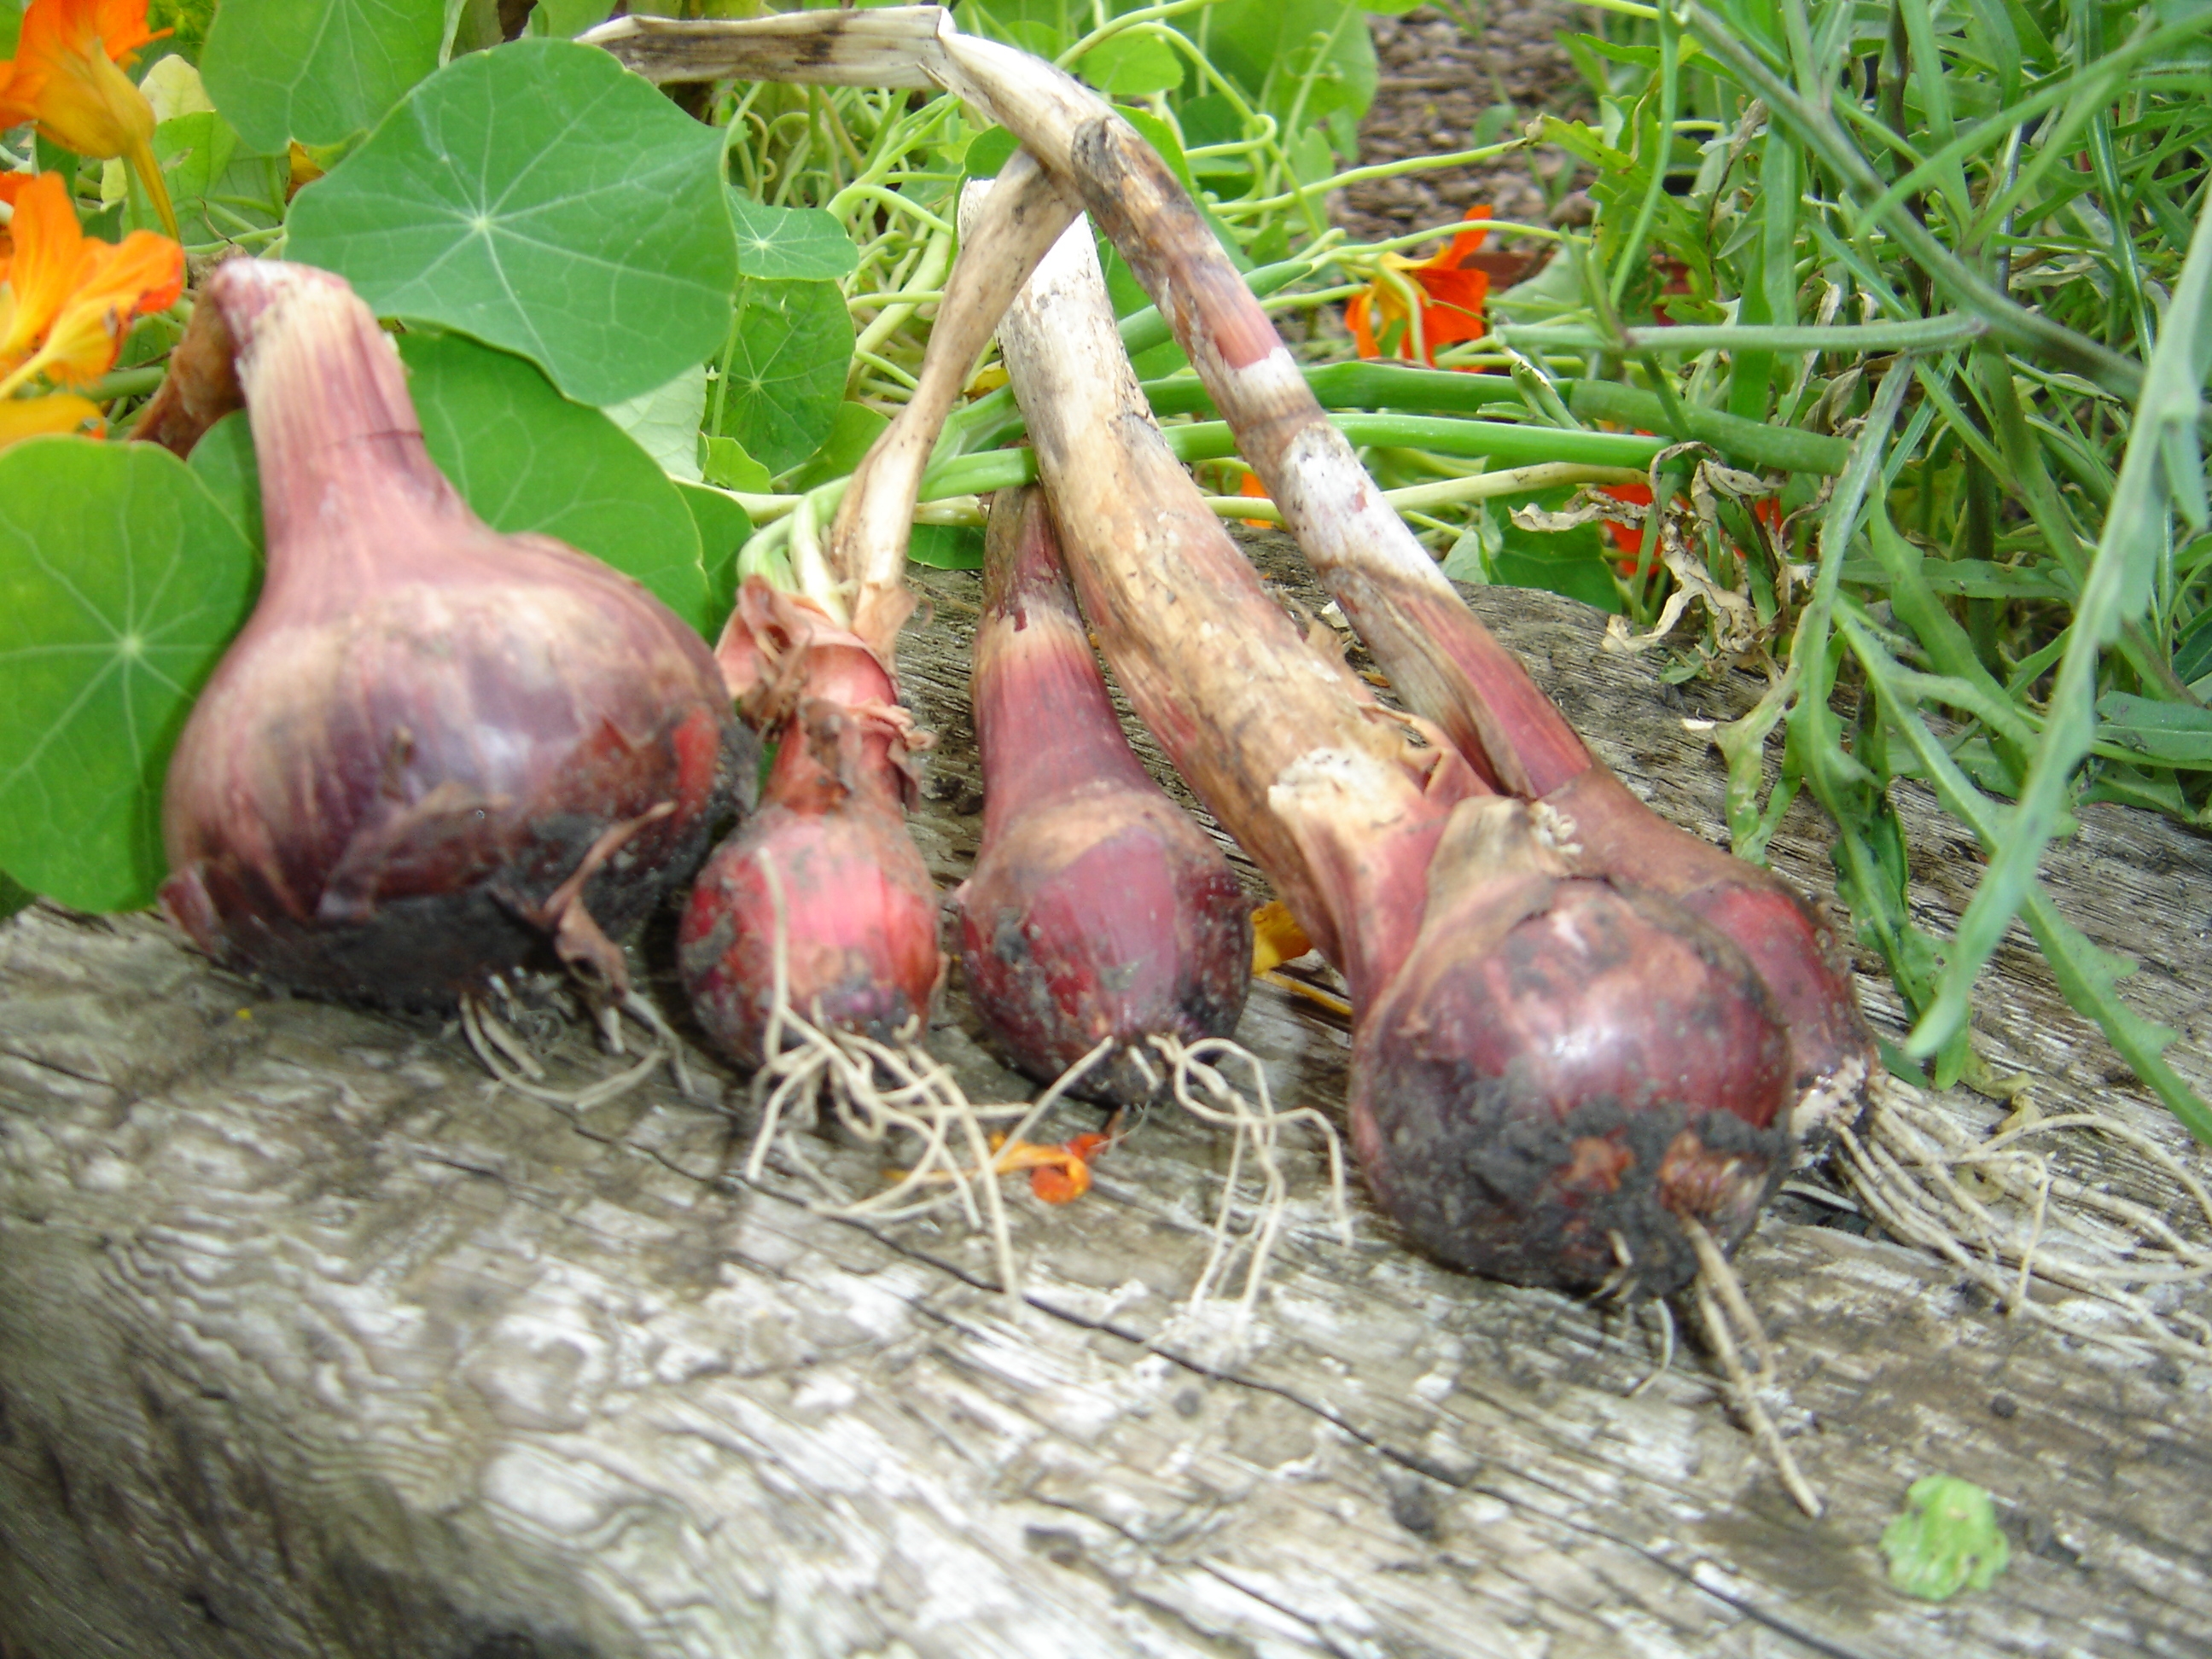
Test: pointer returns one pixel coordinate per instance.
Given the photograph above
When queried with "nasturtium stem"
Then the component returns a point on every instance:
(1784, 448)
(1511, 443)
(1920, 334)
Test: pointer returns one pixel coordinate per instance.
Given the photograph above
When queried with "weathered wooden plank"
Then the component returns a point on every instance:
(313, 1340)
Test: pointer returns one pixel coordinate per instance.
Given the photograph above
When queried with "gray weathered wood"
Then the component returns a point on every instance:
(314, 1341)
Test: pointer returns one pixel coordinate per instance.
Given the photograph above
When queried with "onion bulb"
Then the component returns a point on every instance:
(435, 753)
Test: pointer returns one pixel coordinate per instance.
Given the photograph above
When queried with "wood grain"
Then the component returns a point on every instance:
(313, 1341)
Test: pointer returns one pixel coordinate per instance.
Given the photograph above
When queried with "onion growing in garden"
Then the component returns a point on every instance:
(435, 753)
(1098, 909)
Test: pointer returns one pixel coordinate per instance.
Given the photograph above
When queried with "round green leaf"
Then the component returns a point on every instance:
(853, 430)
(525, 459)
(224, 461)
(1132, 65)
(543, 200)
(947, 547)
(724, 527)
(790, 243)
(723, 462)
(665, 422)
(783, 374)
(121, 581)
(316, 70)
(220, 190)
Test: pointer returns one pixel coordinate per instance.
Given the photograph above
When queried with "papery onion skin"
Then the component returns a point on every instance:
(850, 895)
(435, 753)
(1097, 909)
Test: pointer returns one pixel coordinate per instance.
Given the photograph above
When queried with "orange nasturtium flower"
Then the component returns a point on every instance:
(67, 76)
(11, 187)
(66, 301)
(1452, 294)
(1058, 1175)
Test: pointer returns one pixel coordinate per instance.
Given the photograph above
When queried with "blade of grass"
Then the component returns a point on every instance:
(2086, 975)
(2029, 330)
(2163, 472)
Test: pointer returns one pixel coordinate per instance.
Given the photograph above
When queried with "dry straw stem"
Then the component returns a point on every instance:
(1270, 730)
(1386, 582)
(874, 524)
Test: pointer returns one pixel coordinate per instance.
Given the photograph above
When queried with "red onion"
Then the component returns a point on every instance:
(825, 871)
(1098, 909)
(1547, 1068)
(855, 911)
(435, 753)
(1449, 667)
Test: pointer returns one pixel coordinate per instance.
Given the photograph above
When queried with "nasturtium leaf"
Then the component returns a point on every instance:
(121, 581)
(1569, 562)
(220, 189)
(724, 528)
(544, 200)
(988, 151)
(1132, 66)
(1270, 48)
(724, 463)
(224, 461)
(783, 374)
(852, 429)
(665, 422)
(316, 70)
(1039, 40)
(566, 19)
(947, 547)
(790, 243)
(528, 460)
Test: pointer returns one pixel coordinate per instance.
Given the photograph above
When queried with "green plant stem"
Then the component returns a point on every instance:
(1921, 334)
(1784, 448)
(2029, 330)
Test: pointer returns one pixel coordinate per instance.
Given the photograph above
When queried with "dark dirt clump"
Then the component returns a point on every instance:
(1435, 82)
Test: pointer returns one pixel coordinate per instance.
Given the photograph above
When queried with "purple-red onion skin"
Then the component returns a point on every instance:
(1097, 909)
(826, 865)
(1452, 668)
(1561, 1070)
(428, 732)
(855, 907)
(1793, 949)
(1104, 914)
